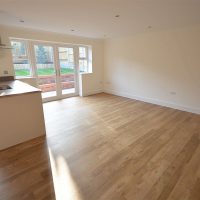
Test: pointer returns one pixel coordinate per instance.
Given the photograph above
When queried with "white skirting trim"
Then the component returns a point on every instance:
(92, 92)
(155, 101)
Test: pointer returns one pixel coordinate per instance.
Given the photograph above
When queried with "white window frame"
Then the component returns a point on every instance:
(31, 56)
(24, 57)
(86, 58)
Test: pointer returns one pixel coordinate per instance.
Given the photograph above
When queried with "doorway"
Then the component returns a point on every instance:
(55, 70)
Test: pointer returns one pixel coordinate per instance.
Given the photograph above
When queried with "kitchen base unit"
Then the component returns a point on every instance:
(21, 118)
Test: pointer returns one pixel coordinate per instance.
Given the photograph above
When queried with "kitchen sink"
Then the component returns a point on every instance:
(5, 87)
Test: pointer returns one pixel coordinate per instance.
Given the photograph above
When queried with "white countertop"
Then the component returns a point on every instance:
(18, 88)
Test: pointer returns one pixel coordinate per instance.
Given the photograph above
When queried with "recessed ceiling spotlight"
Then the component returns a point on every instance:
(21, 20)
(149, 27)
(117, 16)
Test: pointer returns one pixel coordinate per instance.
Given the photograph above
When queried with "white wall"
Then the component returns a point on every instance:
(85, 87)
(5, 55)
(97, 50)
(159, 67)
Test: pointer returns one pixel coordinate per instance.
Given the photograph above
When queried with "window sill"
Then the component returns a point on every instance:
(85, 73)
(23, 77)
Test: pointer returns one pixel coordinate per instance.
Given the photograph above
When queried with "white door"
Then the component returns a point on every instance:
(67, 71)
(56, 70)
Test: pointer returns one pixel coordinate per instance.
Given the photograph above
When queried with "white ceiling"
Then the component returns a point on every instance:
(96, 18)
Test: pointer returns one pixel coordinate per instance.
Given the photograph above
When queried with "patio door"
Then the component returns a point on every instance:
(67, 70)
(55, 70)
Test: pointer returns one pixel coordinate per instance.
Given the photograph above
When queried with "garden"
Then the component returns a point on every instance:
(43, 71)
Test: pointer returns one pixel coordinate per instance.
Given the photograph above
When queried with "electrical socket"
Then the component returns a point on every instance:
(5, 72)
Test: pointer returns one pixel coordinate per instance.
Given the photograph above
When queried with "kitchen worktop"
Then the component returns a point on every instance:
(18, 87)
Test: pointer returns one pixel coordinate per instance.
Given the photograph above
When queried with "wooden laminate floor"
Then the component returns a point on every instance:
(105, 147)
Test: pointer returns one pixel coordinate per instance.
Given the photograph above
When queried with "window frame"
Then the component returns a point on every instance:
(31, 56)
(25, 57)
(85, 58)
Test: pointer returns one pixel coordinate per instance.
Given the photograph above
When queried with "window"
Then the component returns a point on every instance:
(83, 59)
(24, 54)
(66, 58)
(43, 54)
(20, 58)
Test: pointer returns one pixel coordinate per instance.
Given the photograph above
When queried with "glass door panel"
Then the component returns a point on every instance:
(67, 69)
(45, 70)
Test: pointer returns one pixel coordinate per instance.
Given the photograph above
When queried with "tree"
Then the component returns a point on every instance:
(41, 54)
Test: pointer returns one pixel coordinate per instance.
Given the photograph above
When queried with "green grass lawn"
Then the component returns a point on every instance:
(42, 72)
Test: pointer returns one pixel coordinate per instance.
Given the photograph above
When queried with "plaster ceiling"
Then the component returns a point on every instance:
(96, 18)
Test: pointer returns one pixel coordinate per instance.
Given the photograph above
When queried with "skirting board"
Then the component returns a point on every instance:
(155, 101)
(92, 92)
